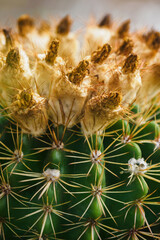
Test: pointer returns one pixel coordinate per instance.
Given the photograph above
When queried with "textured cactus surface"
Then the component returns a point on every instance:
(79, 131)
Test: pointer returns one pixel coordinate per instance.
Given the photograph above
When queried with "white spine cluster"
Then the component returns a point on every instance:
(137, 166)
(51, 174)
(96, 156)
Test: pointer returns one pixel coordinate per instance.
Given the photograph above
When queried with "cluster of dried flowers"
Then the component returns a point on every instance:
(45, 73)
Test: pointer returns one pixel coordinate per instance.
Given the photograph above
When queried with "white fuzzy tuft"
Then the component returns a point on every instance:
(51, 174)
(96, 156)
(137, 166)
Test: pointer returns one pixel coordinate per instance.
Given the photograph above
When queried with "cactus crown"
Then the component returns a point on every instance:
(79, 132)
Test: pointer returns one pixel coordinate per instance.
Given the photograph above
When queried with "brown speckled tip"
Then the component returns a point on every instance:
(64, 25)
(152, 39)
(126, 47)
(100, 55)
(112, 100)
(25, 24)
(25, 99)
(13, 58)
(8, 36)
(130, 64)
(104, 102)
(106, 21)
(52, 52)
(124, 28)
(78, 73)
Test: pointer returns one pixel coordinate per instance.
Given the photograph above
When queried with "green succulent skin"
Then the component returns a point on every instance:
(85, 164)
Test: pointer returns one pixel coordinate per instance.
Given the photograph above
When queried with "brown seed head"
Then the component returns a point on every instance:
(78, 73)
(123, 30)
(100, 55)
(152, 40)
(52, 52)
(105, 102)
(25, 24)
(106, 21)
(130, 64)
(24, 99)
(13, 58)
(29, 110)
(64, 25)
(126, 47)
(112, 100)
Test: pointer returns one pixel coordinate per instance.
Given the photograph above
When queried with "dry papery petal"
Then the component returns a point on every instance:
(147, 45)
(120, 32)
(66, 92)
(47, 75)
(49, 69)
(150, 84)
(33, 40)
(96, 36)
(69, 47)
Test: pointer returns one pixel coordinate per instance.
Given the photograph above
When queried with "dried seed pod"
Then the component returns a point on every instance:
(126, 80)
(68, 97)
(49, 68)
(66, 94)
(14, 75)
(100, 110)
(99, 104)
(113, 78)
(29, 110)
(13, 58)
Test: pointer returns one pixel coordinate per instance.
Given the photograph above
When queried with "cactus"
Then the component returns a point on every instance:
(79, 132)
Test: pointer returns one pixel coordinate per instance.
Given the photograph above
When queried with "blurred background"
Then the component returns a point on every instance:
(143, 13)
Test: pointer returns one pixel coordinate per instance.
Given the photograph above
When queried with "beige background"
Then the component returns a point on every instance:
(141, 12)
